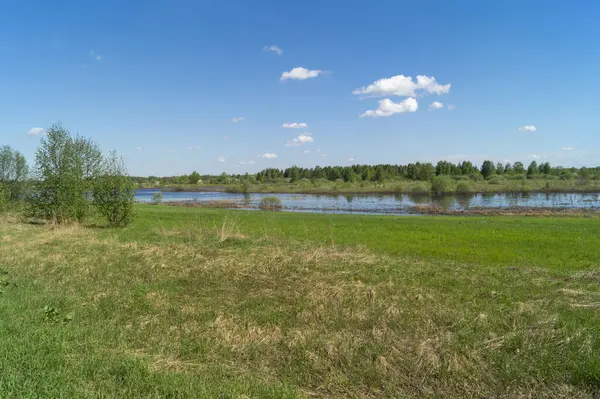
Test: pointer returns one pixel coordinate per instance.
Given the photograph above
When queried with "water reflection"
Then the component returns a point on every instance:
(392, 203)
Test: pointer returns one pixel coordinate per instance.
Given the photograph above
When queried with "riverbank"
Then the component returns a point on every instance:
(191, 302)
(431, 210)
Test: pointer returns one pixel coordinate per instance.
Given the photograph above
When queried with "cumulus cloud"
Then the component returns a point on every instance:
(238, 119)
(35, 131)
(193, 147)
(351, 159)
(527, 128)
(451, 107)
(435, 105)
(138, 148)
(306, 151)
(96, 56)
(274, 49)
(325, 155)
(222, 158)
(268, 155)
(534, 156)
(403, 86)
(250, 162)
(300, 73)
(567, 148)
(300, 140)
(294, 125)
(388, 108)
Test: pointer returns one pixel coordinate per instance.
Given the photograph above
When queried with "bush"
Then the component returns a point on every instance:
(65, 168)
(420, 188)
(442, 185)
(496, 180)
(157, 197)
(113, 192)
(270, 204)
(463, 187)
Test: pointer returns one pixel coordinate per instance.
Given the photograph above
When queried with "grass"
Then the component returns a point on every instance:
(213, 303)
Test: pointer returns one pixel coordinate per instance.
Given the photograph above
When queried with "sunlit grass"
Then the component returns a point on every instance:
(214, 303)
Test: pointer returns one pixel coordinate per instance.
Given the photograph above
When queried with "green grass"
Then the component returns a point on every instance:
(212, 303)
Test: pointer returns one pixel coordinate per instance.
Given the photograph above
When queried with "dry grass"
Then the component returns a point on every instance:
(330, 321)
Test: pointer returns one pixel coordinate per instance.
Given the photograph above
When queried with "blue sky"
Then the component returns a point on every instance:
(163, 81)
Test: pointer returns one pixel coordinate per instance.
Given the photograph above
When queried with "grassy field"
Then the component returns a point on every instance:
(212, 303)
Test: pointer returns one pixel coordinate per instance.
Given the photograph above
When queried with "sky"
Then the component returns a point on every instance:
(238, 86)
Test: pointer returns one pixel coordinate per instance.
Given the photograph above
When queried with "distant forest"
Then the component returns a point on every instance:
(380, 173)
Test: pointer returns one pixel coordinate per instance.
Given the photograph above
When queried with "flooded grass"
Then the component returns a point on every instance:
(214, 303)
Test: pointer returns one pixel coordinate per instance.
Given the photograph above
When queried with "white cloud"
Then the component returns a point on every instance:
(268, 155)
(242, 163)
(534, 156)
(403, 86)
(300, 140)
(274, 49)
(567, 148)
(451, 107)
(351, 159)
(222, 158)
(300, 73)
(193, 147)
(527, 128)
(294, 125)
(325, 155)
(387, 107)
(238, 119)
(138, 148)
(306, 151)
(250, 162)
(435, 105)
(96, 56)
(35, 131)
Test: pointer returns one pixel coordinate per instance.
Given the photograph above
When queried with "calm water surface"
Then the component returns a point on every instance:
(388, 203)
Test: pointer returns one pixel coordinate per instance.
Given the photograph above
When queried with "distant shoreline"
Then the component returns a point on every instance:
(358, 191)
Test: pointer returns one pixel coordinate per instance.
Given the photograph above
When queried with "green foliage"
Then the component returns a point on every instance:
(194, 178)
(463, 187)
(497, 180)
(65, 167)
(488, 169)
(113, 192)
(14, 173)
(532, 169)
(270, 204)
(442, 185)
(157, 197)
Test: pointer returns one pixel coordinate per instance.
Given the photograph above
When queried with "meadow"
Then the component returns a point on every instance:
(188, 302)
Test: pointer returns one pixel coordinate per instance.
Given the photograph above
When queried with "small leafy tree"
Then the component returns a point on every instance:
(64, 171)
(13, 174)
(157, 197)
(194, 177)
(487, 169)
(532, 170)
(113, 192)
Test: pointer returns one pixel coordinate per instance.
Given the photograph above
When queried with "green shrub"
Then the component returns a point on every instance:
(442, 185)
(496, 180)
(419, 188)
(113, 192)
(157, 197)
(65, 169)
(270, 204)
(463, 187)
(461, 177)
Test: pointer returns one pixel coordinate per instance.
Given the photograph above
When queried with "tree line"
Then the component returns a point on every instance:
(71, 181)
(379, 173)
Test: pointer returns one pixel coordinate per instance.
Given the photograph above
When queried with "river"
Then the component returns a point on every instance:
(385, 203)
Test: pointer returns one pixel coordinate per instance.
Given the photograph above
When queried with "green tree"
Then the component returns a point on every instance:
(487, 169)
(499, 168)
(194, 177)
(14, 173)
(113, 192)
(532, 169)
(64, 171)
(519, 168)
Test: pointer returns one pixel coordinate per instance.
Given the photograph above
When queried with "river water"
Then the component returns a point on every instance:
(388, 203)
